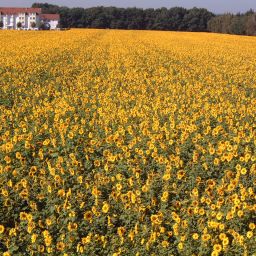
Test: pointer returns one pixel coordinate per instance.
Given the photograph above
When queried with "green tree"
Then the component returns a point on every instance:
(250, 25)
(42, 26)
(240, 24)
(19, 25)
(47, 8)
(237, 25)
(221, 24)
(160, 21)
(197, 19)
(33, 24)
(176, 18)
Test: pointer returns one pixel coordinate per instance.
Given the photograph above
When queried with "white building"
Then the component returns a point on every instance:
(26, 18)
(50, 19)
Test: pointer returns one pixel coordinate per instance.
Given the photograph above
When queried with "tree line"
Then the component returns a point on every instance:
(239, 24)
(177, 19)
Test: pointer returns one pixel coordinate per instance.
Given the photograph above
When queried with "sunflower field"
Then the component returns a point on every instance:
(127, 143)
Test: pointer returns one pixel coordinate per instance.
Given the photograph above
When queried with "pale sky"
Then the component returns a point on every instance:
(217, 6)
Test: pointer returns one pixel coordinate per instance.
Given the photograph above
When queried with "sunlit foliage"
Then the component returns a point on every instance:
(127, 143)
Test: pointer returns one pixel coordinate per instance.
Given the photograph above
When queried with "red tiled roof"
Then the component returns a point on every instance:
(14, 10)
(50, 16)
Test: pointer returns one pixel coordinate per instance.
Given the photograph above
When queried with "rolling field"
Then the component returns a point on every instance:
(127, 143)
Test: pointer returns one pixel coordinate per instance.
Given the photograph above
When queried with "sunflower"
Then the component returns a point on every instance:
(165, 244)
(60, 246)
(252, 226)
(23, 216)
(243, 171)
(88, 215)
(249, 234)
(180, 174)
(214, 253)
(72, 226)
(18, 155)
(46, 142)
(105, 207)
(97, 163)
(1, 229)
(121, 231)
(206, 237)
(195, 236)
(217, 247)
(180, 246)
(225, 242)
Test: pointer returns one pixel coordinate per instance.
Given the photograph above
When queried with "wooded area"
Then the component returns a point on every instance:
(240, 24)
(176, 19)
